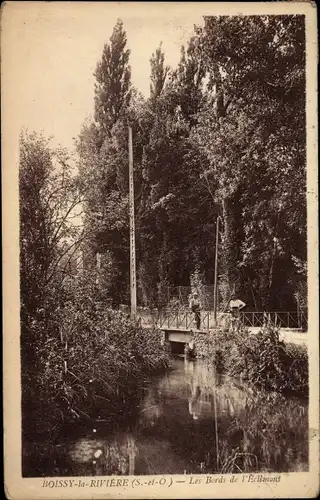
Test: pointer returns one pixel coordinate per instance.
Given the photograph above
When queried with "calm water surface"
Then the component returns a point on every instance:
(191, 420)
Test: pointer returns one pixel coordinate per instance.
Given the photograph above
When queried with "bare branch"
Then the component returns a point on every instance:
(64, 218)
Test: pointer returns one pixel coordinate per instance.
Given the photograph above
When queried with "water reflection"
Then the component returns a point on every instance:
(104, 457)
(193, 420)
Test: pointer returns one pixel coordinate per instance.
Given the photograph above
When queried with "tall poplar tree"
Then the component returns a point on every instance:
(102, 149)
(113, 80)
(159, 73)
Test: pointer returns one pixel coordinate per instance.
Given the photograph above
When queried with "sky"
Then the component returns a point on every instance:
(53, 48)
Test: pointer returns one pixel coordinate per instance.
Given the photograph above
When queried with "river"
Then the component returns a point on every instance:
(193, 420)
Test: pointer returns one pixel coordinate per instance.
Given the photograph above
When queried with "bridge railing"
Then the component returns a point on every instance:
(182, 319)
(185, 320)
(176, 319)
(281, 319)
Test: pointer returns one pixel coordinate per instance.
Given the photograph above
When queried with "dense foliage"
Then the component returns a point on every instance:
(77, 354)
(95, 365)
(49, 198)
(263, 359)
(222, 134)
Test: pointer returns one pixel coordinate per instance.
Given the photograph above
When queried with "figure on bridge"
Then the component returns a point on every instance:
(235, 306)
(195, 307)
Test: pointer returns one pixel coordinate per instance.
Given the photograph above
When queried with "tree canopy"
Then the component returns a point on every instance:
(223, 134)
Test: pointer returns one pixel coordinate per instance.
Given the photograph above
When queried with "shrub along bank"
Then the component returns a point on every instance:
(262, 359)
(91, 366)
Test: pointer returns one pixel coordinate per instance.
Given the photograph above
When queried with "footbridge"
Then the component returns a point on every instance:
(179, 325)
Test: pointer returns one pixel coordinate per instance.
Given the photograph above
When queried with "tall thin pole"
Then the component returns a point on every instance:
(215, 291)
(216, 421)
(133, 284)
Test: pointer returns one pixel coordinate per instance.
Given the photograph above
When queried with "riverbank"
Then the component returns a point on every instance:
(94, 369)
(262, 359)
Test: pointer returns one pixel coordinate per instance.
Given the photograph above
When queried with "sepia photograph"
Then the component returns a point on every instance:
(163, 245)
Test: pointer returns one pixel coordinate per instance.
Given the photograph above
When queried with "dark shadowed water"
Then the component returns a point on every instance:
(192, 420)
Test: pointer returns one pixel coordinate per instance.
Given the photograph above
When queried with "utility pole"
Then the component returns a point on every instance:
(215, 290)
(133, 283)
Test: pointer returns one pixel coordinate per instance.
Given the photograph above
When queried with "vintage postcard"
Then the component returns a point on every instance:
(160, 250)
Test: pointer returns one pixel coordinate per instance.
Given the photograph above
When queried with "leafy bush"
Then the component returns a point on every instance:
(262, 359)
(93, 364)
